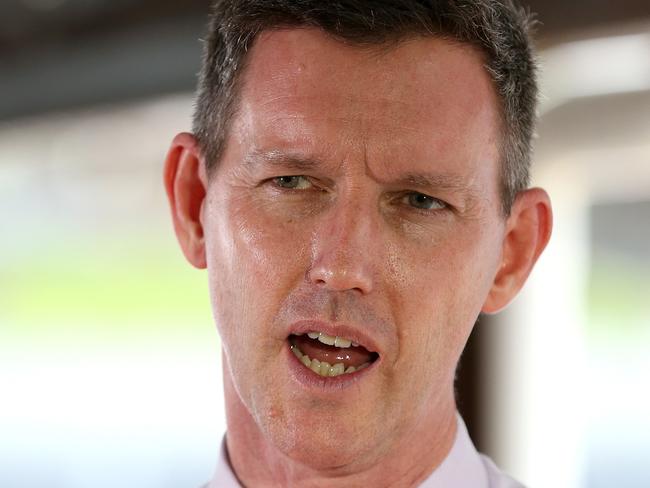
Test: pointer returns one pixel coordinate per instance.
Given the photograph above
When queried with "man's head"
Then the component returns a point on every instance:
(353, 189)
(497, 28)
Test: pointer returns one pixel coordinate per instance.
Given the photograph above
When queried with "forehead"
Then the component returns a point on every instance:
(428, 95)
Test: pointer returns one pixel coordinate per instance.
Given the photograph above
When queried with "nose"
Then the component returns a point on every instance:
(344, 250)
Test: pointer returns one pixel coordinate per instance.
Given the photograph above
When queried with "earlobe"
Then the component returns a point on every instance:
(185, 184)
(528, 231)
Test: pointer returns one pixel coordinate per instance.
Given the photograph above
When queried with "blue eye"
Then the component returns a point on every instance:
(424, 202)
(292, 182)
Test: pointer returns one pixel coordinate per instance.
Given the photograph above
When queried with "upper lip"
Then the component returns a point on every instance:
(348, 331)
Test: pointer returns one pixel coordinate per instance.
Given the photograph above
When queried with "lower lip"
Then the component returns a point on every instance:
(315, 382)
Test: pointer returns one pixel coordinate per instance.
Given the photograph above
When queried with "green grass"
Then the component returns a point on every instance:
(109, 285)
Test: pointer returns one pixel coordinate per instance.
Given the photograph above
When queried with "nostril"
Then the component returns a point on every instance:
(338, 277)
(319, 276)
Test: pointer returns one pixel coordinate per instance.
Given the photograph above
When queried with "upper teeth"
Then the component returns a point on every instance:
(331, 340)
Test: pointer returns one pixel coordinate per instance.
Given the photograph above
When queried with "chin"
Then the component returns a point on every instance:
(327, 445)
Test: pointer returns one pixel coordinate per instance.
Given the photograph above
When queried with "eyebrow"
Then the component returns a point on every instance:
(279, 158)
(433, 181)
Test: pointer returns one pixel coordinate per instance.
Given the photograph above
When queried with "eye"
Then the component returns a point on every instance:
(292, 182)
(423, 202)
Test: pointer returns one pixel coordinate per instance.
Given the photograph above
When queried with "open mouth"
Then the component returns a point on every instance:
(329, 355)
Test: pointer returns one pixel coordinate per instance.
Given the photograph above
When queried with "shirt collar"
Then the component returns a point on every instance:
(224, 477)
(462, 467)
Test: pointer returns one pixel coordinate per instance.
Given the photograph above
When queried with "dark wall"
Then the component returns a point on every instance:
(60, 54)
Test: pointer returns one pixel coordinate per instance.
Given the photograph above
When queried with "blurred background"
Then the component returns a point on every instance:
(109, 361)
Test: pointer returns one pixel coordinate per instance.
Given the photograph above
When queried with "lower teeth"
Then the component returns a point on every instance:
(324, 368)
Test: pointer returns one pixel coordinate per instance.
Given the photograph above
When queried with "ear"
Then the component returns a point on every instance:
(528, 230)
(185, 183)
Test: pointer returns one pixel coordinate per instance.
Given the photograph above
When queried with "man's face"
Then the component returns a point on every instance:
(385, 230)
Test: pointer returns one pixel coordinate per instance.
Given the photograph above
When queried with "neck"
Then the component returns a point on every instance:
(411, 459)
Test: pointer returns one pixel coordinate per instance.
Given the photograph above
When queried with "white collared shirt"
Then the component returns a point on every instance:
(464, 467)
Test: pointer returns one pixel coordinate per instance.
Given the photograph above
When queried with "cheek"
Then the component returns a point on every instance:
(248, 246)
(442, 288)
(253, 262)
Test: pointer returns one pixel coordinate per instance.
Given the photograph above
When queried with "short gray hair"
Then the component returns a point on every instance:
(498, 28)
